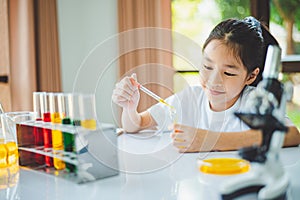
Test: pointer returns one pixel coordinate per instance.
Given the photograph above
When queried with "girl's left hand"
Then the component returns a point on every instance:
(189, 139)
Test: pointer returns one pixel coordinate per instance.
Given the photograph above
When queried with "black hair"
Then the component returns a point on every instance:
(249, 40)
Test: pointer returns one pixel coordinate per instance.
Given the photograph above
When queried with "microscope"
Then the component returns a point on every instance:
(266, 112)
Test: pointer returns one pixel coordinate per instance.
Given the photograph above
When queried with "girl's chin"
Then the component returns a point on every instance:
(219, 102)
(217, 106)
(216, 98)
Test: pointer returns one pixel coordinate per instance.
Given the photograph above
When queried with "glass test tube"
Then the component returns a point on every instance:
(65, 105)
(57, 138)
(38, 130)
(73, 99)
(87, 111)
(44, 101)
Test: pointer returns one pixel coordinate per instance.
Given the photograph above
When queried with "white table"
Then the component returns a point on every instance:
(151, 168)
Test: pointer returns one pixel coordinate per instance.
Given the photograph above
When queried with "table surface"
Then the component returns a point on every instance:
(150, 168)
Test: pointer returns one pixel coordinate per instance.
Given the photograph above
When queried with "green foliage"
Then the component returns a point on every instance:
(294, 116)
(234, 8)
(184, 16)
(285, 78)
(297, 47)
(289, 8)
(274, 15)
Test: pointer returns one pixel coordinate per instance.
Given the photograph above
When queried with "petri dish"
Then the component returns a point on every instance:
(224, 166)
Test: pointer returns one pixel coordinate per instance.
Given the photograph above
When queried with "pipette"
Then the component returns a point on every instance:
(151, 94)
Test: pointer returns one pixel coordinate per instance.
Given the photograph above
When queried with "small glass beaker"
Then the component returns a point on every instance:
(18, 134)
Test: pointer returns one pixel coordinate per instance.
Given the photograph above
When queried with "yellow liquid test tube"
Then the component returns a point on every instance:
(57, 137)
(87, 114)
(57, 141)
(89, 124)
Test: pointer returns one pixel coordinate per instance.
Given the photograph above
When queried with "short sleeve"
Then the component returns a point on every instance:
(163, 115)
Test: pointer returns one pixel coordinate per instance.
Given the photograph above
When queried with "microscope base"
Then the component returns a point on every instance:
(261, 180)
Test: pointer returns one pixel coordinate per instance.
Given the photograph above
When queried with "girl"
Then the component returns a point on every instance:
(233, 60)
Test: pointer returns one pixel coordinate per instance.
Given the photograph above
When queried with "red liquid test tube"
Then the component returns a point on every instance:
(37, 130)
(47, 133)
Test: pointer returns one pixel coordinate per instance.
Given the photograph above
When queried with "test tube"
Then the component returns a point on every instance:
(37, 129)
(87, 110)
(57, 138)
(44, 101)
(81, 110)
(74, 113)
(68, 137)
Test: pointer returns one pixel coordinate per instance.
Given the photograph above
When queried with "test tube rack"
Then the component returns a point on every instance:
(94, 155)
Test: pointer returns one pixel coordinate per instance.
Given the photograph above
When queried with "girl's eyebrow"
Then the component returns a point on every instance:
(207, 58)
(231, 66)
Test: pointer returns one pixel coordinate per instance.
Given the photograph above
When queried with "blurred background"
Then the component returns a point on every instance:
(45, 43)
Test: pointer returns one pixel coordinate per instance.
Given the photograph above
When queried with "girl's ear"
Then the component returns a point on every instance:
(251, 78)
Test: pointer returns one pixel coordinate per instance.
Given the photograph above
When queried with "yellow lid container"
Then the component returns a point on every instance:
(224, 166)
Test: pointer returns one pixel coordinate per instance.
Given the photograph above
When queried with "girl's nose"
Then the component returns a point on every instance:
(215, 79)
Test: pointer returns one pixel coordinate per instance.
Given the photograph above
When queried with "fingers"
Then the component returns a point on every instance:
(134, 76)
(133, 80)
(126, 83)
(183, 138)
(180, 145)
(125, 91)
(178, 135)
(179, 140)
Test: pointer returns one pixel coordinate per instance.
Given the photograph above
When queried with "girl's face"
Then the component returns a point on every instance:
(223, 76)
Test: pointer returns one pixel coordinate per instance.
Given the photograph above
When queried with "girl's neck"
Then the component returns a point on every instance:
(219, 107)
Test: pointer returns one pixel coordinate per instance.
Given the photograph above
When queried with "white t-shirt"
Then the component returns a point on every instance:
(192, 109)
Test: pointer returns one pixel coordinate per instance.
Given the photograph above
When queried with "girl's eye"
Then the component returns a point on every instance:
(207, 67)
(229, 74)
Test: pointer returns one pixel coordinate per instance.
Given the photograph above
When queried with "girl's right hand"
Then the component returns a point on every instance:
(126, 93)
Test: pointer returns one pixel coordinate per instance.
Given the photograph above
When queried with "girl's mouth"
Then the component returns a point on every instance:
(216, 92)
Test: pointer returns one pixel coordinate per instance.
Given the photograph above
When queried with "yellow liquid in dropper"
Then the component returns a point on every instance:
(172, 111)
(157, 98)
(161, 100)
(164, 102)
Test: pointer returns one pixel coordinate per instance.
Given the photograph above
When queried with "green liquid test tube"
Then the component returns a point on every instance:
(69, 144)
(68, 138)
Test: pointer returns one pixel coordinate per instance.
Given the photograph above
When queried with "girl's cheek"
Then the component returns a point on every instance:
(204, 77)
(201, 80)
